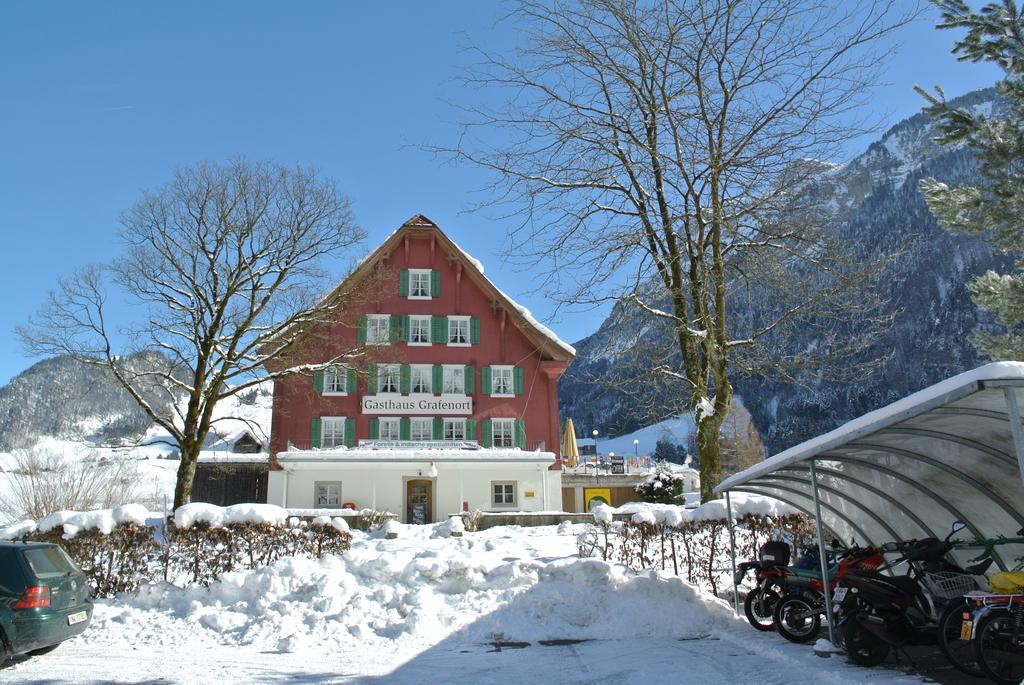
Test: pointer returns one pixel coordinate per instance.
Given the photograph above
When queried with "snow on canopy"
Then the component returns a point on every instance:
(910, 469)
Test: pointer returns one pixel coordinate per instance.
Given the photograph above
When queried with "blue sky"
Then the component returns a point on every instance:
(99, 101)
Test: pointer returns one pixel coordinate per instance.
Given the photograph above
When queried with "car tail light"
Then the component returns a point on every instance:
(33, 598)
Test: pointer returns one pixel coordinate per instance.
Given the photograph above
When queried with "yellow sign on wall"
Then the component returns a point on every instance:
(594, 496)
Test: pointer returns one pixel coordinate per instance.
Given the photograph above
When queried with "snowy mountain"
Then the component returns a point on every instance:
(877, 203)
(60, 400)
(65, 399)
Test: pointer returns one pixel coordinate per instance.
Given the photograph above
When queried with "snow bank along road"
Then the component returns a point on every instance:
(426, 608)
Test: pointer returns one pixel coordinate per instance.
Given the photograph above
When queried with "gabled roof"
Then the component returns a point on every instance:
(546, 341)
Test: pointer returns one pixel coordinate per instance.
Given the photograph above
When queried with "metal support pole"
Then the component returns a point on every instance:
(732, 549)
(823, 555)
(1015, 427)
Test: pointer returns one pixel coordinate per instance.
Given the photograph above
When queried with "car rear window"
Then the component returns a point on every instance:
(49, 562)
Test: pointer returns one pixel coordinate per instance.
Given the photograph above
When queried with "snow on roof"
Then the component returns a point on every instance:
(341, 454)
(941, 393)
(420, 221)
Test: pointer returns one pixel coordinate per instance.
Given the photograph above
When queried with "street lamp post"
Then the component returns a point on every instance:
(595, 452)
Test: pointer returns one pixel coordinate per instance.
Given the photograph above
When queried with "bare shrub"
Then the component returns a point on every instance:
(42, 481)
(116, 562)
(695, 550)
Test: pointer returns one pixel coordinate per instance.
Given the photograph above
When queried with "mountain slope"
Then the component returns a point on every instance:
(877, 205)
(63, 398)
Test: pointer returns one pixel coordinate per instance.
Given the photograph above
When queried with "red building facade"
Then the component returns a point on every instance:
(454, 360)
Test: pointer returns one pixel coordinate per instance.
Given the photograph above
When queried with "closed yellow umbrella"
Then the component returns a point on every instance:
(570, 449)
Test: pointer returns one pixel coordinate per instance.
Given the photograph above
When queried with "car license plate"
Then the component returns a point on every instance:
(839, 595)
(965, 630)
(77, 617)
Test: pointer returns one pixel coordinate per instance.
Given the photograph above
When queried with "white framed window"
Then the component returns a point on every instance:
(378, 329)
(332, 431)
(503, 493)
(389, 428)
(455, 429)
(421, 428)
(327, 494)
(458, 331)
(388, 378)
(502, 384)
(419, 330)
(503, 432)
(419, 284)
(336, 381)
(454, 377)
(420, 376)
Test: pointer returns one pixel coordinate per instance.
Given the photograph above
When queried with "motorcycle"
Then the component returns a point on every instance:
(797, 616)
(876, 613)
(770, 573)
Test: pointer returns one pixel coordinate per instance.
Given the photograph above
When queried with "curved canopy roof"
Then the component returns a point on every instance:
(910, 469)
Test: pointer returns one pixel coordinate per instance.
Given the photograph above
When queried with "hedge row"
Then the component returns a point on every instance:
(130, 555)
(696, 549)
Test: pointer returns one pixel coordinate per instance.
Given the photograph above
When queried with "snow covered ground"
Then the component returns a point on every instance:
(426, 608)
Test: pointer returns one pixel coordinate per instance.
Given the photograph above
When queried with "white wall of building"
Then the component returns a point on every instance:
(382, 486)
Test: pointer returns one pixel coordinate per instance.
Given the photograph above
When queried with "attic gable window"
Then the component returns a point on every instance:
(419, 284)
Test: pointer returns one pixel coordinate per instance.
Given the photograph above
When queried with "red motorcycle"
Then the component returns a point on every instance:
(770, 571)
(797, 616)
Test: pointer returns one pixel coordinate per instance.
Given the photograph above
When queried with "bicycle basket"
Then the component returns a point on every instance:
(948, 585)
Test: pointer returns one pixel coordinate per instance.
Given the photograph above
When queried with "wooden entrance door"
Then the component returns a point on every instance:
(419, 501)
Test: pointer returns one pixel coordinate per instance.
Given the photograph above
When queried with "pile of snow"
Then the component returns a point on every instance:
(337, 523)
(16, 531)
(399, 597)
(104, 520)
(218, 517)
(674, 514)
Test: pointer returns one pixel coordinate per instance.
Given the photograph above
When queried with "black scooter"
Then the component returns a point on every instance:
(876, 613)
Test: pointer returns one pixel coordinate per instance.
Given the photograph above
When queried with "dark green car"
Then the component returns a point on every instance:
(44, 599)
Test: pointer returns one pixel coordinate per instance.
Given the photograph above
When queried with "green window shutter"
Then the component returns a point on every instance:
(371, 381)
(435, 284)
(314, 433)
(485, 380)
(403, 283)
(394, 329)
(474, 331)
(486, 434)
(407, 328)
(318, 382)
(520, 434)
(405, 429)
(374, 429)
(350, 432)
(439, 324)
(517, 380)
(361, 329)
(438, 379)
(405, 380)
(438, 429)
(350, 380)
(470, 429)
(470, 376)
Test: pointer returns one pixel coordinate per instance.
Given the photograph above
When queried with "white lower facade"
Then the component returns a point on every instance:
(418, 486)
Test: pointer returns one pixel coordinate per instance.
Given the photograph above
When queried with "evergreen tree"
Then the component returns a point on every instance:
(995, 205)
(662, 485)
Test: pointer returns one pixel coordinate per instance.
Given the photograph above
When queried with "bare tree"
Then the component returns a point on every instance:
(226, 261)
(662, 154)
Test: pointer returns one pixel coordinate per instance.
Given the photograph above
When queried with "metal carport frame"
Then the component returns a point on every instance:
(953, 451)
